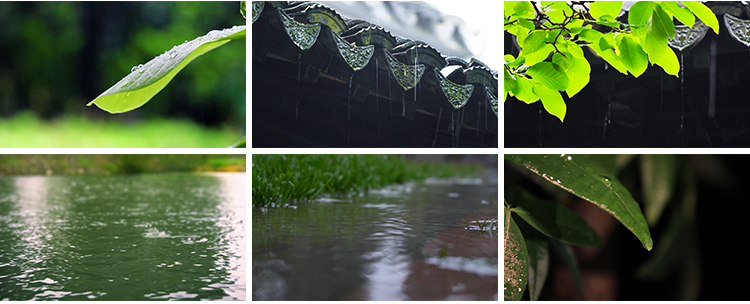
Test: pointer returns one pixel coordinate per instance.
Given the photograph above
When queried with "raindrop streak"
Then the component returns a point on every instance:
(682, 92)
(299, 65)
(349, 100)
(540, 125)
(440, 114)
(403, 105)
(416, 58)
(296, 111)
(377, 91)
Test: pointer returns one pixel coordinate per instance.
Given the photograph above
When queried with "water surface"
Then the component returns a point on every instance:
(405, 242)
(134, 237)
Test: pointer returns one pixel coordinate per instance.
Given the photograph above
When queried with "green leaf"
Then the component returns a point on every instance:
(558, 222)
(600, 9)
(683, 14)
(549, 74)
(243, 8)
(664, 21)
(574, 49)
(147, 80)
(508, 81)
(516, 260)
(524, 91)
(551, 100)
(523, 9)
(239, 144)
(584, 178)
(632, 56)
(658, 175)
(590, 35)
(611, 58)
(569, 259)
(579, 74)
(564, 62)
(537, 56)
(539, 259)
(558, 10)
(534, 42)
(703, 13)
(526, 23)
(640, 12)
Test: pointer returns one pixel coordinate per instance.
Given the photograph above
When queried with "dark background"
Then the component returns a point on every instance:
(722, 226)
(55, 57)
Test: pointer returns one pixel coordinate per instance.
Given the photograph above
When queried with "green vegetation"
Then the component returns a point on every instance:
(561, 29)
(146, 80)
(104, 164)
(534, 224)
(279, 180)
(26, 131)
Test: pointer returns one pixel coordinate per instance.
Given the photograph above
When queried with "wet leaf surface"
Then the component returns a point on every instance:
(146, 80)
(538, 250)
(558, 222)
(586, 179)
(516, 260)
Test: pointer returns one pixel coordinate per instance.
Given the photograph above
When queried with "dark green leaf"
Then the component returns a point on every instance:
(658, 175)
(516, 260)
(549, 74)
(558, 222)
(584, 178)
(243, 8)
(703, 13)
(538, 251)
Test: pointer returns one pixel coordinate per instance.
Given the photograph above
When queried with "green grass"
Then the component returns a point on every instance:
(26, 131)
(282, 179)
(107, 164)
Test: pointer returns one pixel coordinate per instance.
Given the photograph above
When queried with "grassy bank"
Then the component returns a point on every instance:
(26, 131)
(280, 179)
(117, 164)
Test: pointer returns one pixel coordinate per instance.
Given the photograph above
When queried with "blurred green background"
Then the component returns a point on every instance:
(55, 57)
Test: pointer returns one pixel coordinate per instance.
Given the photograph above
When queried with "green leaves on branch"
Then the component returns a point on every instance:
(552, 34)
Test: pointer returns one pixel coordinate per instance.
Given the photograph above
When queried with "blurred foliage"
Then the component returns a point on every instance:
(282, 179)
(57, 56)
(104, 164)
(26, 131)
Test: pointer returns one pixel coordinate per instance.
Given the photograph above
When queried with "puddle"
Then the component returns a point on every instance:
(406, 242)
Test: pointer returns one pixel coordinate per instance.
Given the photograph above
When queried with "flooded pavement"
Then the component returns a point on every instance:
(404, 242)
(135, 237)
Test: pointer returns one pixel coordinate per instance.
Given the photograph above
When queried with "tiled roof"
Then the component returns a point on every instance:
(368, 49)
